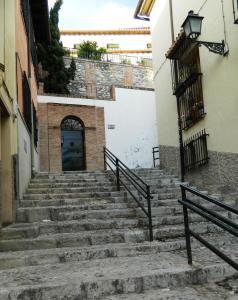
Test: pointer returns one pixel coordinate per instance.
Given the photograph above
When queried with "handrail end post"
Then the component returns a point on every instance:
(187, 235)
(149, 213)
(118, 174)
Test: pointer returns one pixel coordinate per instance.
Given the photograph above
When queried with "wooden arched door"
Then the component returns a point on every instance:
(72, 144)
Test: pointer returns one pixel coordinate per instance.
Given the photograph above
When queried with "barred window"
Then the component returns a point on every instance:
(187, 81)
(26, 102)
(195, 151)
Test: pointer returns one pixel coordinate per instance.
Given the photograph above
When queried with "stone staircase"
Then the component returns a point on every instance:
(76, 237)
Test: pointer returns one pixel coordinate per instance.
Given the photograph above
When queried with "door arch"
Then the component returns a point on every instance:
(72, 144)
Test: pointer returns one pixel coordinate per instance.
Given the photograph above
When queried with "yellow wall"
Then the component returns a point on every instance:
(220, 88)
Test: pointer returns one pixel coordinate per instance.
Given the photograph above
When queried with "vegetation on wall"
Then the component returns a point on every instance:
(90, 50)
(51, 58)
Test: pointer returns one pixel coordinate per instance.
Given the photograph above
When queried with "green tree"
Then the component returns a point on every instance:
(51, 56)
(90, 50)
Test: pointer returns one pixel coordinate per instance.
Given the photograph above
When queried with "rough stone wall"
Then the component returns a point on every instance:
(95, 79)
(220, 174)
(50, 117)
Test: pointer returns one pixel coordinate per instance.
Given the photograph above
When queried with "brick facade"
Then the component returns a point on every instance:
(50, 117)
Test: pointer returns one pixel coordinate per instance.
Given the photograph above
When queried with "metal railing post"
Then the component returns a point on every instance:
(186, 228)
(104, 155)
(117, 174)
(149, 213)
(153, 149)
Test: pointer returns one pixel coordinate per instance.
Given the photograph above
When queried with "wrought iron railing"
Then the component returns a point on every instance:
(110, 57)
(156, 156)
(195, 151)
(126, 178)
(191, 104)
(211, 215)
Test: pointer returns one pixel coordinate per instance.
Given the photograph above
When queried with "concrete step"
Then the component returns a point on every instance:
(104, 277)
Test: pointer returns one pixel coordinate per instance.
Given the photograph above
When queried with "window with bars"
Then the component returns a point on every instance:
(195, 151)
(35, 126)
(25, 7)
(187, 82)
(235, 11)
(26, 102)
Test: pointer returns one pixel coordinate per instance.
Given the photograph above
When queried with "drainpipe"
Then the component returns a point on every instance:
(182, 172)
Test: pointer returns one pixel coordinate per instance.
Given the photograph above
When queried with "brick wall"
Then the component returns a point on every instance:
(50, 117)
(97, 79)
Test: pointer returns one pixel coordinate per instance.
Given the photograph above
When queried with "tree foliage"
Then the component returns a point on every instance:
(51, 57)
(90, 50)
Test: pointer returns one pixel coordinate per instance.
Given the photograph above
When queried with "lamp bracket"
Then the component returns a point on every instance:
(218, 48)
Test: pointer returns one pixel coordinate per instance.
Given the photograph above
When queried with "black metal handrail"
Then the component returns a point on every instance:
(143, 189)
(154, 151)
(209, 214)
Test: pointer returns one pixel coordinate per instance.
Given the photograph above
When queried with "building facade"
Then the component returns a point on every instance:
(196, 90)
(19, 33)
(110, 104)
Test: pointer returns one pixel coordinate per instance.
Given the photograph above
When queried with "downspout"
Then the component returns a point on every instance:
(182, 173)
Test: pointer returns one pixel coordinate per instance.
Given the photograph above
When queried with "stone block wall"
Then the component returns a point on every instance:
(219, 175)
(50, 116)
(96, 79)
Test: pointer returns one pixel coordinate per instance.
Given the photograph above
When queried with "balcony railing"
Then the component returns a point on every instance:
(195, 151)
(110, 57)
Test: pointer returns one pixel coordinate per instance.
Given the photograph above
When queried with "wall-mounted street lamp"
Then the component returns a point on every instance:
(192, 27)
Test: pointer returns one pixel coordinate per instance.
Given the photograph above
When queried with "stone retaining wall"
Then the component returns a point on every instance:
(96, 79)
(220, 174)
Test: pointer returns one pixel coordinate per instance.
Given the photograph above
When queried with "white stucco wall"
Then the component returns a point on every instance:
(134, 117)
(219, 78)
(24, 152)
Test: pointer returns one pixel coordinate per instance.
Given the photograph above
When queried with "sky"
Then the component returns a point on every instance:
(98, 14)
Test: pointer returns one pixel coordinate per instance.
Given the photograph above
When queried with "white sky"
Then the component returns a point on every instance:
(101, 14)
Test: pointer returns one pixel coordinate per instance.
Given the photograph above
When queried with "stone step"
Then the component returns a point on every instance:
(70, 190)
(71, 195)
(18, 259)
(74, 238)
(33, 230)
(211, 291)
(105, 277)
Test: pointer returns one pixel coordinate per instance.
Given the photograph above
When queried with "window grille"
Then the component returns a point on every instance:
(25, 7)
(235, 11)
(35, 126)
(26, 102)
(187, 82)
(195, 151)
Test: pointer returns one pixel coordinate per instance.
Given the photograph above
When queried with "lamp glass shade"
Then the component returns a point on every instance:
(192, 25)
